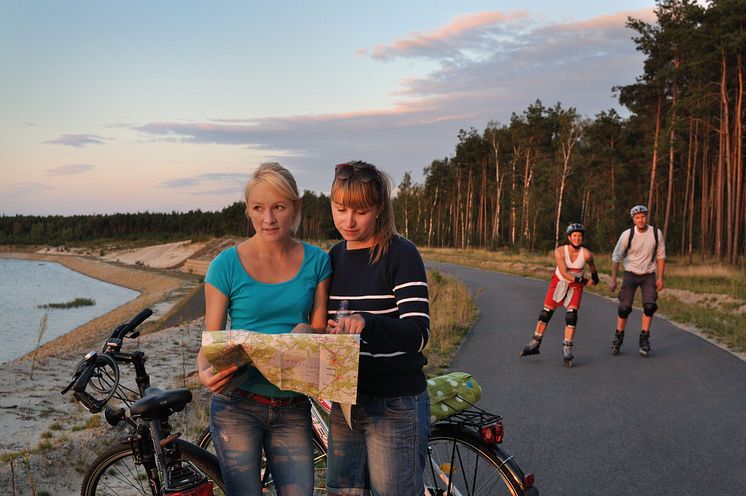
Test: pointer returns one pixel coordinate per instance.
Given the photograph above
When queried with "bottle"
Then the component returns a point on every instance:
(343, 310)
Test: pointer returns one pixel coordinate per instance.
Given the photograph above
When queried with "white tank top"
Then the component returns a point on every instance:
(575, 267)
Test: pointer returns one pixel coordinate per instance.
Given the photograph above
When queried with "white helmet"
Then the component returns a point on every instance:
(638, 209)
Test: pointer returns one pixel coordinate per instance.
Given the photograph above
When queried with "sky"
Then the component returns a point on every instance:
(167, 106)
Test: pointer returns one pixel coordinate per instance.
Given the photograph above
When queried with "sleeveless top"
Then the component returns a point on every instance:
(575, 267)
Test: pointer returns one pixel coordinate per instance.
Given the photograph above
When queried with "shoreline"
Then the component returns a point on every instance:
(50, 431)
(166, 292)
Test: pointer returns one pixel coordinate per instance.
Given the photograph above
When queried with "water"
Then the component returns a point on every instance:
(26, 284)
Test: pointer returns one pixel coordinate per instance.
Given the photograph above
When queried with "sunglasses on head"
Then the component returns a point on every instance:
(365, 172)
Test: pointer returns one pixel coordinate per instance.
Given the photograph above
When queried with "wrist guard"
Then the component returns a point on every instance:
(594, 277)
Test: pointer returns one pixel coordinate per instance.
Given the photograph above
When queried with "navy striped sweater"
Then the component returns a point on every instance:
(391, 295)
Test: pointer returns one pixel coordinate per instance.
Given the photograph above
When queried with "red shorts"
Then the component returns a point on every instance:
(569, 297)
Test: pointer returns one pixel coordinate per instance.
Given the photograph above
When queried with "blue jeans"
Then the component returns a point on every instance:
(241, 427)
(386, 449)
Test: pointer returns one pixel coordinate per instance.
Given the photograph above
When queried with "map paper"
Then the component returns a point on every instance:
(318, 365)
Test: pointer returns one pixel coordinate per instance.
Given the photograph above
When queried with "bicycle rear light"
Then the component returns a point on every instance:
(202, 490)
(492, 433)
(528, 480)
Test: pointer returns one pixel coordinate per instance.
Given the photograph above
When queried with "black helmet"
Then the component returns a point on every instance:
(575, 227)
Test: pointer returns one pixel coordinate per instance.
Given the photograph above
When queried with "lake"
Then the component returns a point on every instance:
(26, 284)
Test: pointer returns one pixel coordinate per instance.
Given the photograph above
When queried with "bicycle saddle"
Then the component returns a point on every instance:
(158, 403)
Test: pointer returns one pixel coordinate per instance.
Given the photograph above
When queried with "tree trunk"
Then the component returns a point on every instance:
(432, 214)
(513, 216)
(691, 197)
(722, 161)
(654, 166)
(566, 153)
(688, 183)
(671, 155)
(739, 216)
(498, 188)
(527, 178)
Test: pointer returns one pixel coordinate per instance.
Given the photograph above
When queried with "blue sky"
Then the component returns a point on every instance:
(160, 106)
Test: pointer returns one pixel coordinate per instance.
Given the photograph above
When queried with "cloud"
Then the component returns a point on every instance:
(490, 65)
(208, 184)
(77, 140)
(465, 33)
(70, 170)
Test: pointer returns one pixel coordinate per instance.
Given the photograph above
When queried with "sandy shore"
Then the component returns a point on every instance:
(47, 440)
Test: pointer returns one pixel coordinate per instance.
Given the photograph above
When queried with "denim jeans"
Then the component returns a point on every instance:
(241, 427)
(386, 449)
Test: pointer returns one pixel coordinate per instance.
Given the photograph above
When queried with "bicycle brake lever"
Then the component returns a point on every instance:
(69, 386)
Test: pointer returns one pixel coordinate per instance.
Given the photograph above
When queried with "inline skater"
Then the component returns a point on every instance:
(643, 250)
(565, 288)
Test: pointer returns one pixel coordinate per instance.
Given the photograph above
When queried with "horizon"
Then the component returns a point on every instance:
(168, 107)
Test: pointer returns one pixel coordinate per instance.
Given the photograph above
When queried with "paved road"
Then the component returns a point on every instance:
(672, 424)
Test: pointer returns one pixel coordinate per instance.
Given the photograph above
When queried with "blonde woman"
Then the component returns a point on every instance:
(270, 283)
(381, 276)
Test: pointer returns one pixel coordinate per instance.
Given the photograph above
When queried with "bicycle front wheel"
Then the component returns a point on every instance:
(115, 472)
(462, 465)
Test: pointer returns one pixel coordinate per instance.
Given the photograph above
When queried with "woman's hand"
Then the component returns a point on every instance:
(216, 382)
(305, 329)
(354, 324)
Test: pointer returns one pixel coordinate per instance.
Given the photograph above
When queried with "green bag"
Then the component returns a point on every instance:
(451, 393)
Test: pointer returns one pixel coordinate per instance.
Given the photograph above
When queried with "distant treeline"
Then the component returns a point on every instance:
(316, 223)
(517, 185)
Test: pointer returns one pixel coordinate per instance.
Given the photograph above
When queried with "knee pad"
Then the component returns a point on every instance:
(649, 309)
(545, 315)
(571, 318)
(624, 312)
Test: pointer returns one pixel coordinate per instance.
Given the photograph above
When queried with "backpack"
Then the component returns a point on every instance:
(632, 233)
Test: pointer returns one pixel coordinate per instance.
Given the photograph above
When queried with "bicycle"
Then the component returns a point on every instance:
(151, 459)
(464, 456)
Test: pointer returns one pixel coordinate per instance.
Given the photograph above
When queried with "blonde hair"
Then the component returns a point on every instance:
(355, 193)
(281, 181)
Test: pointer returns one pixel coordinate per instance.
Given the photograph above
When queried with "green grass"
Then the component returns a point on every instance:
(452, 313)
(76, 303)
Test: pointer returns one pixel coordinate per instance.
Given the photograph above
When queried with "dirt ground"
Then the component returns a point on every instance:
(48, 440)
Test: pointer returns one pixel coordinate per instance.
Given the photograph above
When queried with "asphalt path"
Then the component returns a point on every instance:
(670, 424)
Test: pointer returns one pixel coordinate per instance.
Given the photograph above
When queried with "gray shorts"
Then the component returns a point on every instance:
(630, 283)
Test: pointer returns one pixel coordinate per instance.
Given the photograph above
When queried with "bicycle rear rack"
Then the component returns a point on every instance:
(488, 426)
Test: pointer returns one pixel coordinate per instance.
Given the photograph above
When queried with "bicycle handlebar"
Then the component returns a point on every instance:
(82, 381)
(121, 331)
(92, 361)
